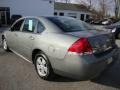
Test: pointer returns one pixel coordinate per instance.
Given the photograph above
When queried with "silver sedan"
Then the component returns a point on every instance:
(61, 45)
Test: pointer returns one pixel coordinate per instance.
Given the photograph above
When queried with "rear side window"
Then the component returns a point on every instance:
(40, 27)
(29, 25)
(17, 26)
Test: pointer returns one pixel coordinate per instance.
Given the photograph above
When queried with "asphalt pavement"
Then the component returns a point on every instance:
(18, 74)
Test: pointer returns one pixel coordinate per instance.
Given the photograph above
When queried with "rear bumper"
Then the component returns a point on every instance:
(85, 67)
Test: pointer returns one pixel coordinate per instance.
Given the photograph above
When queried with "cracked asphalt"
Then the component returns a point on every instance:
(17, 74)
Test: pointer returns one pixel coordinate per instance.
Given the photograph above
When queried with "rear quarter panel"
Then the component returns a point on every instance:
(55, 46)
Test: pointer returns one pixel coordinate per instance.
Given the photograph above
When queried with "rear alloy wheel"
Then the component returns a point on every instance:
(43, 67)
(4, 44)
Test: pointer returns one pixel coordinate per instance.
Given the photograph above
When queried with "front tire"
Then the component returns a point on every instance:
(43, 67)
(4, 44)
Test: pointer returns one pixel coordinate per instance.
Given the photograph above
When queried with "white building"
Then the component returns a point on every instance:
(40, 8)
(77, 11)
(25, 8)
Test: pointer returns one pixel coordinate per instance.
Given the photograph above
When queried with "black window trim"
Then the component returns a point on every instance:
(17, 22)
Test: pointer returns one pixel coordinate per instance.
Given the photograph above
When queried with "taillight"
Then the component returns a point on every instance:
(81, 46)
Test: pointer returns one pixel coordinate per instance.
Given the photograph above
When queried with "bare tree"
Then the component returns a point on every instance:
(106, 7)
(89, 3)
(102, 8)
(117, 8)
(67, 1)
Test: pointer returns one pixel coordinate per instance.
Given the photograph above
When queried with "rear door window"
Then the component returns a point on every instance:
(40, 27)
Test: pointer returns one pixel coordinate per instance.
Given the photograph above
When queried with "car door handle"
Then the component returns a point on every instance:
(32, 38)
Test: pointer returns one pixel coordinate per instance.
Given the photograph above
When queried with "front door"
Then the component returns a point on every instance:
(13, 40)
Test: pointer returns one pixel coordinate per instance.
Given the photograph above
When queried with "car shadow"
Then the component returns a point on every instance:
(59, 78)
(111, 76)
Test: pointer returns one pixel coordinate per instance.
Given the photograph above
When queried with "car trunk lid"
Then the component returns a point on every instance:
(99, 40)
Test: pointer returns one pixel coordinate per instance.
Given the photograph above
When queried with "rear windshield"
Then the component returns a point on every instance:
(70, 24)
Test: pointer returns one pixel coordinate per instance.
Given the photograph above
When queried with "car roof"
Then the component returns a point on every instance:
(45, 17)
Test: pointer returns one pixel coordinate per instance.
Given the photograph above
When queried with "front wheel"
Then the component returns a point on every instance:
(4, 44)
(43, 67)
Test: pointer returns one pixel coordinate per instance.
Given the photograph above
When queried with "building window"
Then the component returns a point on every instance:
(55, 13)
(73, 15)
(87, 17)
(82, 17)
(4, 15)
(61, 14)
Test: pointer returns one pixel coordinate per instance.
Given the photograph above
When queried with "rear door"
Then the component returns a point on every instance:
(27, 37)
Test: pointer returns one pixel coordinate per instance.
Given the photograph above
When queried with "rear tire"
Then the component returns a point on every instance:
(43, 67)
(4, 45)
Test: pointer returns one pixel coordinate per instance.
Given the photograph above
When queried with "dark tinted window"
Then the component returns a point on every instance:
(73, 15)
(70, 24)
(82, 17)
(17, 26)
(87, 16)
(61, 14)
(29, 25)
(55, 13)
(40, 27)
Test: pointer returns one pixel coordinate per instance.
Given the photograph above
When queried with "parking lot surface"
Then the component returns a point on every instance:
(18, 74)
